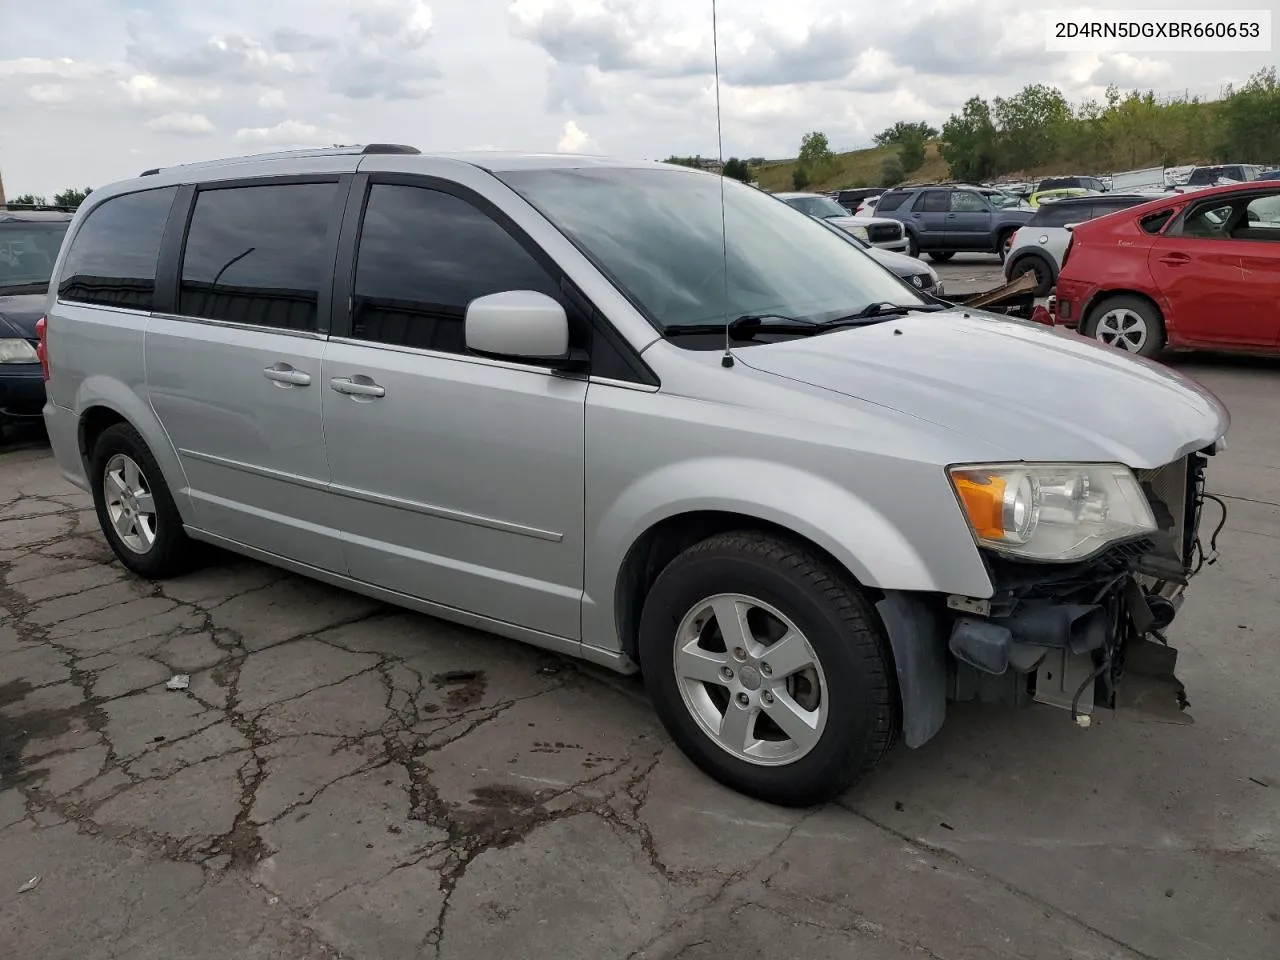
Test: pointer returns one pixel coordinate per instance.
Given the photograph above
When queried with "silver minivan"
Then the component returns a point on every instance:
(638, 414)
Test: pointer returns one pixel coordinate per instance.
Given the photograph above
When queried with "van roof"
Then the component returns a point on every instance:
(493, 160)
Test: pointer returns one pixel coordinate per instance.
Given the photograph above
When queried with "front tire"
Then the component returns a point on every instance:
(1127, 323)
(941, 256)
(135, 508)
(768, 668)
(913, 248)
(1002, 243)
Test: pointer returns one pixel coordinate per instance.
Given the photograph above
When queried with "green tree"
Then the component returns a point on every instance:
(815, 151)
(969, 142)
(71, 197)
(800, 178)
(737, 170)
(27, 200)
(891, 173)
(1031, 123)
(1250, 130)
(902, 131)
(683, 161)
(911, 153)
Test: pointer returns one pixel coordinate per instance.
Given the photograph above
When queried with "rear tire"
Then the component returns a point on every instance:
(1033, 264)
(1128, 323)
(795, 732)
(135, 508)
(941, 256)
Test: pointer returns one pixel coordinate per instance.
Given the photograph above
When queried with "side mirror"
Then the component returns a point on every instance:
(521, 325)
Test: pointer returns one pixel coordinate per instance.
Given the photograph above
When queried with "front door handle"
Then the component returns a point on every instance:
(1175, 259)
(357, 387)
(283, 375)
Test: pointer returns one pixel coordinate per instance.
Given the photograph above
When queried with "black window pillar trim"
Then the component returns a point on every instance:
(168, 264)
(343, 292)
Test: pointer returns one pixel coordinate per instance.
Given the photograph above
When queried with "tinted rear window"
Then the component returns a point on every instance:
(259, 255)
(112, 259)
(1059, 214)
(890, 201)
(1154, 223)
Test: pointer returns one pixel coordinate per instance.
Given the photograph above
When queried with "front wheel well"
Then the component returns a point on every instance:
(667, 539)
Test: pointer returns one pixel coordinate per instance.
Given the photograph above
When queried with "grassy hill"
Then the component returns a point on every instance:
(861, 168)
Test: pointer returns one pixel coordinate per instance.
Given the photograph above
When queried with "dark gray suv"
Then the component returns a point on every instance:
(943, 221)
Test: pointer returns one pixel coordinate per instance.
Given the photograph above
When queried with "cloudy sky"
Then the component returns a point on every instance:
(97, 90)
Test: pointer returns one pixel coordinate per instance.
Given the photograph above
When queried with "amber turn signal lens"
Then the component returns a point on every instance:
(983, 499)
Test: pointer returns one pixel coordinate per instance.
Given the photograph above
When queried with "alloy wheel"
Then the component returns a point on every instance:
(131, 507)
(1122, 328)
(750, 679)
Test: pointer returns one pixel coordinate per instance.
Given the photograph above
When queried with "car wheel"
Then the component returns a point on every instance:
(1003, 242)
(135, 509)
(769, 668)
(913, 248)
(941, 256)
(1044, 277)
(1131, 324)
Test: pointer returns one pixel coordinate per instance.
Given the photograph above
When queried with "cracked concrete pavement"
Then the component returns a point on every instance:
(346, 779)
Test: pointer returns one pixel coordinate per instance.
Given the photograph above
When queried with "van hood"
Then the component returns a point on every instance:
(1040, 394)
(18, 315)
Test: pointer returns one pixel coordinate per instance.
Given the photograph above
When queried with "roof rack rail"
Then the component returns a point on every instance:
(373, 148)
(335, 150)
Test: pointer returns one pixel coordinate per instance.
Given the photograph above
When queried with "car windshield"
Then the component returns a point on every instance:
(658, 235)
(27, 252)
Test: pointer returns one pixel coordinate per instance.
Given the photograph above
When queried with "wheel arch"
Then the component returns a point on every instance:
(1102, 296)
(916, 644)
(102, 402)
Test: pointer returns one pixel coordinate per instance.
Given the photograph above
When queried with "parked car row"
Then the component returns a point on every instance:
(944, 220)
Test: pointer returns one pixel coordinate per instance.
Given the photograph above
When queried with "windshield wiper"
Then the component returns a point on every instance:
(881, 310)
(747, 326)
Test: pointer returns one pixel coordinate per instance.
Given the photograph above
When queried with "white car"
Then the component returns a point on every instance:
(867, 208)
(880, 232)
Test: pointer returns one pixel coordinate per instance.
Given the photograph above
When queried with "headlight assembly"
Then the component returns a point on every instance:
(859, 232)
(1051, 511)
(18, 351)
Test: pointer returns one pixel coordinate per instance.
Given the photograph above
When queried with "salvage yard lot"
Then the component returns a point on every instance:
(345, 779)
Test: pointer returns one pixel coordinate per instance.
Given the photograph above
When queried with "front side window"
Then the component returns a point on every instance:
(28, 249)
(657, 234)
(112, 259)
(962, 201)
(423, 256)
(259, 255)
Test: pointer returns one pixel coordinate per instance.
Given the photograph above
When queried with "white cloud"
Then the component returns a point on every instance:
(49, 93)
(182, 124)
(288, 133)
(148, 89)
(273, 100)
(573, 139)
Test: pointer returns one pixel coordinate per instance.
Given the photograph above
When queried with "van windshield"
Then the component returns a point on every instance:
(657, 235)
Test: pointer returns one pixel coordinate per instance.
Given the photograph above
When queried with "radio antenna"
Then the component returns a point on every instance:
(727, 359)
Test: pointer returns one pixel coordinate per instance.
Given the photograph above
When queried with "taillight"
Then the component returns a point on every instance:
(1067, 252)
(42, 348)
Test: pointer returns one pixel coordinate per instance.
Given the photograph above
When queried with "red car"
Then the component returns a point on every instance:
(1194, 270)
